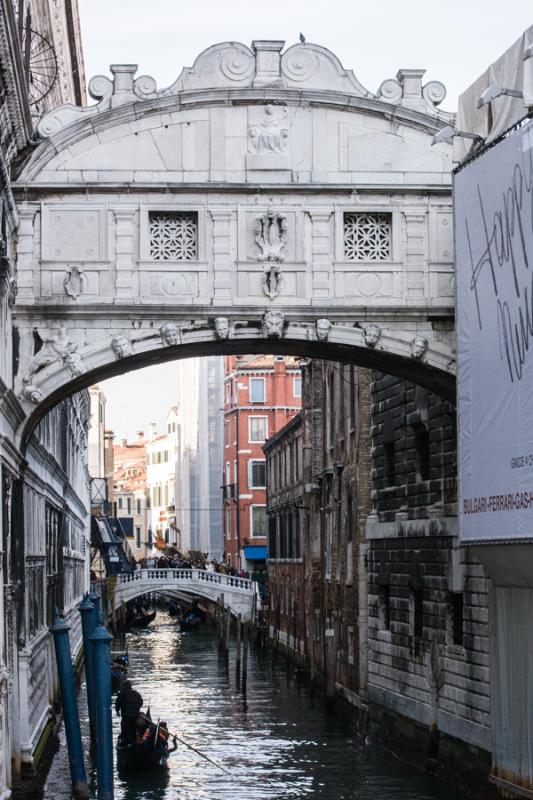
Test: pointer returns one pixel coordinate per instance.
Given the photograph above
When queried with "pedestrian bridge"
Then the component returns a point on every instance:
(241, 595)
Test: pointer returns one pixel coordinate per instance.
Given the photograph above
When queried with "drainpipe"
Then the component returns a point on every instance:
(363, 620)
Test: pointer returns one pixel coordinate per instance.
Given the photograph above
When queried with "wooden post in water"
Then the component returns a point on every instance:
(220, 615)
(239, 632)
(228, 631)
(244, 655)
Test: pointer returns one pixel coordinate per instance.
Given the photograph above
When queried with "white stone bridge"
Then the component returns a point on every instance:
(265, 202)
(241, 595)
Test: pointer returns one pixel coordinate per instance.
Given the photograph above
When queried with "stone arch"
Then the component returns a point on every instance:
(393, 352)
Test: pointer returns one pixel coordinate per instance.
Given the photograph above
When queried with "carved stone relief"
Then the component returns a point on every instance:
(419, 346)
(31, 392)
(75, 282)
(222, 328)
(121, 346)
(272, 325)
(268, 139)
(56, 346)
(170, 334)
(322, 328)
(372, 334)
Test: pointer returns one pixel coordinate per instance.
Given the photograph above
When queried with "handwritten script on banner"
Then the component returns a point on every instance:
(494, 273)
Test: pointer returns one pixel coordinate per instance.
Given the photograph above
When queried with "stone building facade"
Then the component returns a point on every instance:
(44, 483)
(261, 393)
(130, 501)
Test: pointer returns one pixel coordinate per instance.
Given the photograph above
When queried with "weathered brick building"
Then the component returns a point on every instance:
(367, 583)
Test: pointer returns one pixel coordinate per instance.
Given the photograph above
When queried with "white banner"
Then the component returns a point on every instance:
(494, 273)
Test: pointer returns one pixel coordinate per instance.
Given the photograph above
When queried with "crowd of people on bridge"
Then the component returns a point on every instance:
(178, 561)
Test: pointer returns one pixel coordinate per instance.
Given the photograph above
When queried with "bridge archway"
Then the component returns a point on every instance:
(265, 202)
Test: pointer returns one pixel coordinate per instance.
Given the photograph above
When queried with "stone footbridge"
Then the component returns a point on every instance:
(241, 595)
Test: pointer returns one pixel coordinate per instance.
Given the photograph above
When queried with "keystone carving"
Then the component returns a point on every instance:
(322, 328)
(372, 334)
(170, 334)
(272, 325)
(222, 328)
(75, 282)
(121, 346)
(419, 346)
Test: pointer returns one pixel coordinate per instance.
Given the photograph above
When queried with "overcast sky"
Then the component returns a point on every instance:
(454, 40)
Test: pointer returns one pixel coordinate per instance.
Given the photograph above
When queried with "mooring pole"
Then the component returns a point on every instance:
(228, 632)
(101, 640)
(94, 597)
(221, 621)
(244, 656)
(67, 683)
(86, 610)
(238, 648)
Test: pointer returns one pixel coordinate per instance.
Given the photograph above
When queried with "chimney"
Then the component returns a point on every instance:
(153, 431)
(140, 435)
(124, 443)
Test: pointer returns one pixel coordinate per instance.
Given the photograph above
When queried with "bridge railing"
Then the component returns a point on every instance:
(186, 575)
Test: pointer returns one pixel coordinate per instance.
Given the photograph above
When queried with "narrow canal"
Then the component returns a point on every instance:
(278, 742)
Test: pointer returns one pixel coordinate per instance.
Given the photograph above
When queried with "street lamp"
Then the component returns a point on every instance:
(494, 91)
(448, 133)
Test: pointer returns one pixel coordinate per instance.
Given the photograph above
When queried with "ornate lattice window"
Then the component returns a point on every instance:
(173, 236)
(367, 237)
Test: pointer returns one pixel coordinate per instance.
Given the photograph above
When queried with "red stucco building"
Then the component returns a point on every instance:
(261, 394)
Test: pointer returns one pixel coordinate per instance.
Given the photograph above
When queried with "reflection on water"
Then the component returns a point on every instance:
(279, 742)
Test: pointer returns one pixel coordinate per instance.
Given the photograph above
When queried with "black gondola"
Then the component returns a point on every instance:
(140, 757)
(119, 670)
(191, 622)
(142, 621)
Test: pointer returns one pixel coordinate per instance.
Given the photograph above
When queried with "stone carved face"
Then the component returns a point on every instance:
(322, 327)
(121, 346)
(75, 364)
(33, 393)
(372, 335)
(222, 327)
(170, 334)
(273, 324)
(419, 346)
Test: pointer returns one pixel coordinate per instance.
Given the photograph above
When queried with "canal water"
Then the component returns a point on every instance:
(279, 741)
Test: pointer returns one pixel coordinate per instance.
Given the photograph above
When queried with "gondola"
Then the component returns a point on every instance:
(191, 622)
(119, 670)
(139, 757)
(143, 621)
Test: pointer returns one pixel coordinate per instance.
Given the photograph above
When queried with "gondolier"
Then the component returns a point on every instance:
(128, 704)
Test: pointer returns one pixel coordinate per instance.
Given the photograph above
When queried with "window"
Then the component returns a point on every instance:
(297, 387)
(272, 543)
(390, 462)
(422, 454)
(137, 536)
(173, 236)
(256, 474)
(227, 433)
(120, 502)
(455, 627)
(258, 526)
(128, 502)
(418, 613)
(138, 505)
(257, 429)
(367, 237)
(384, 607)
(330, 402)
(257, 390)
(353, 395)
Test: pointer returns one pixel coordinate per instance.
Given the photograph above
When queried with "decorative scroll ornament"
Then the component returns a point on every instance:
(170, 334)
(222, 328)
(271, 134)
(419, 346)
(322, 328)
(75, 282)
(31, 392)
(121, 346)
(372, 334)
(272, 324)
(272, 281)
